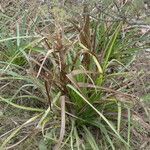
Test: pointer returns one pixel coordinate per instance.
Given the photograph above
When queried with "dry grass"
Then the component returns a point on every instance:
(71, 82)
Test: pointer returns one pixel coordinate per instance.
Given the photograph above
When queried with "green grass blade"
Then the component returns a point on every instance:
(21, 37)
(19, 106)
(17, 130)
(129, 125)
(100, 114)
(119, 117)
(110, 45)
(90, 139)
(43, 117)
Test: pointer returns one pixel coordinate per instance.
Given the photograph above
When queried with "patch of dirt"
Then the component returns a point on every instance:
(141, 111)
(141, 69)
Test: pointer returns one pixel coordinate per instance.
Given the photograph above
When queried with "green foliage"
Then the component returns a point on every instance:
(82, 60)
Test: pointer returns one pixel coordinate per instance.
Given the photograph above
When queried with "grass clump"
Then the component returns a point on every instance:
(71, 76)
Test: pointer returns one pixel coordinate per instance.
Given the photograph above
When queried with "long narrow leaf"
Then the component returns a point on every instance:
(100, 114)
